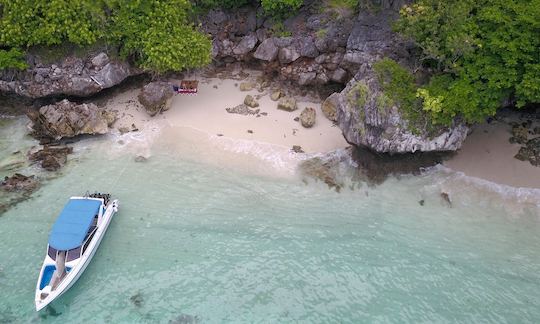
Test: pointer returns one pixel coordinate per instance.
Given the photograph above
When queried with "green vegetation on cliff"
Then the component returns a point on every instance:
(482, 54)
(156, 34)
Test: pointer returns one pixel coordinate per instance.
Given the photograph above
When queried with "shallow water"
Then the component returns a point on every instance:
(211, 243)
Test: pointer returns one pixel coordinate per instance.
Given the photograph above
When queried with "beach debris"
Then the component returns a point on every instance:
(246, 86)
(68, 119)
(421, 202)
(296, 119)
(186, 319)
(294, 130)
(137, 299)
(219, 135)
(20, 182)
(251, 102)
(446, 198)
(264, 113)
(155, 97)
(242, 109)
(51, 158)
(140, 158)
(307, 117)
(276, 95)
(134, 128)
(297, 149)
(215, 86)
(530, 152)
(250, 131)
(287, 104)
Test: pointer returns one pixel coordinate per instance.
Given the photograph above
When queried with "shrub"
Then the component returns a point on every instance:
(12, 59)
(281, 8)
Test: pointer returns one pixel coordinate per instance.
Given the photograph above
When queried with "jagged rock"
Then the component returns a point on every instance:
(68, 119)
(369, 118)
(339, 75)
(246, 44)
(19, 182)
(307, 117)
(276, 95)
(329, 106)
(242, 110)
(288, 55)
(287, 104)
(297, 149)
(306, 47)
(246, 86)
(100, 60)
(306, 78)
(155, 96)
(251, 102)
(51, 158)
(267, 50)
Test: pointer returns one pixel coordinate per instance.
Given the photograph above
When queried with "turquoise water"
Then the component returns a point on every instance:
(205, 242)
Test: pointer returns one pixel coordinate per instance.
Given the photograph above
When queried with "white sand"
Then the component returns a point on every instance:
(487, 154)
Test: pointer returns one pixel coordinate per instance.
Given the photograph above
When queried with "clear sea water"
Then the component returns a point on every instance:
(211, 243)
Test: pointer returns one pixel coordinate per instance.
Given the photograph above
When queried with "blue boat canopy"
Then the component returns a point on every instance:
(69, 230)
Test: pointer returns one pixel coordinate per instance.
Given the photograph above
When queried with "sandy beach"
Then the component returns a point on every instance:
(487, 154)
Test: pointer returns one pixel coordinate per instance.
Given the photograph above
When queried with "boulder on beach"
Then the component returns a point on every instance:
(329, 106)
(287, 104)
(242, 110)
(307, 117)
(251, 102)
(530, 152)
(68, 119)
(155, 96)
(276, 95)
(246, 86)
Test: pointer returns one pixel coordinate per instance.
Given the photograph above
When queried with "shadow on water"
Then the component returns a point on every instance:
(361, 165)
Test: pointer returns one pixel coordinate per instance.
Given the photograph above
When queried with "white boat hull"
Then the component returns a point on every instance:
(77, 266)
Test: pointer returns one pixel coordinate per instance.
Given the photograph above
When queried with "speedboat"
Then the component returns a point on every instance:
(73, 241)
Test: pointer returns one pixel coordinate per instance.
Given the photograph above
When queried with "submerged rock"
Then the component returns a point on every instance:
(287, 104)
(68, 119)
(20, 182)
(51, 158)
(307, 117)
(155, 96)
(186, 319)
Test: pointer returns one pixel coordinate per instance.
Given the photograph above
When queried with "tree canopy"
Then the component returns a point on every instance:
(483, 53)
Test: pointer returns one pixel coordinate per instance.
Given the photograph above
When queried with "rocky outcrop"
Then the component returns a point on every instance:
(530, 152)
(307, 117)
(369, 119)
(155, 97)
(68, 119)
(251, 102)
(73, 76)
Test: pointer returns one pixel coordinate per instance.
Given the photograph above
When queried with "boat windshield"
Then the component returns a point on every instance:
(73, 254)
(52, 252)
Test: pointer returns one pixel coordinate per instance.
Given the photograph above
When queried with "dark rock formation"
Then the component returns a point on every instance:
(73, 76)
(154, 97)
(242, 110)
(19, 182)
(51, 158)
(530, 152)
(68, 119)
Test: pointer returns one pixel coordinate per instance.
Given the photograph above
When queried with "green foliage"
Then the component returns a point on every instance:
(157, 34)
(483, 53)
(278, 29)
(49, 22)
(321, 33)
(384, 103)
(397, 83)
(12, 59)
(281, 8)
(343, 4)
